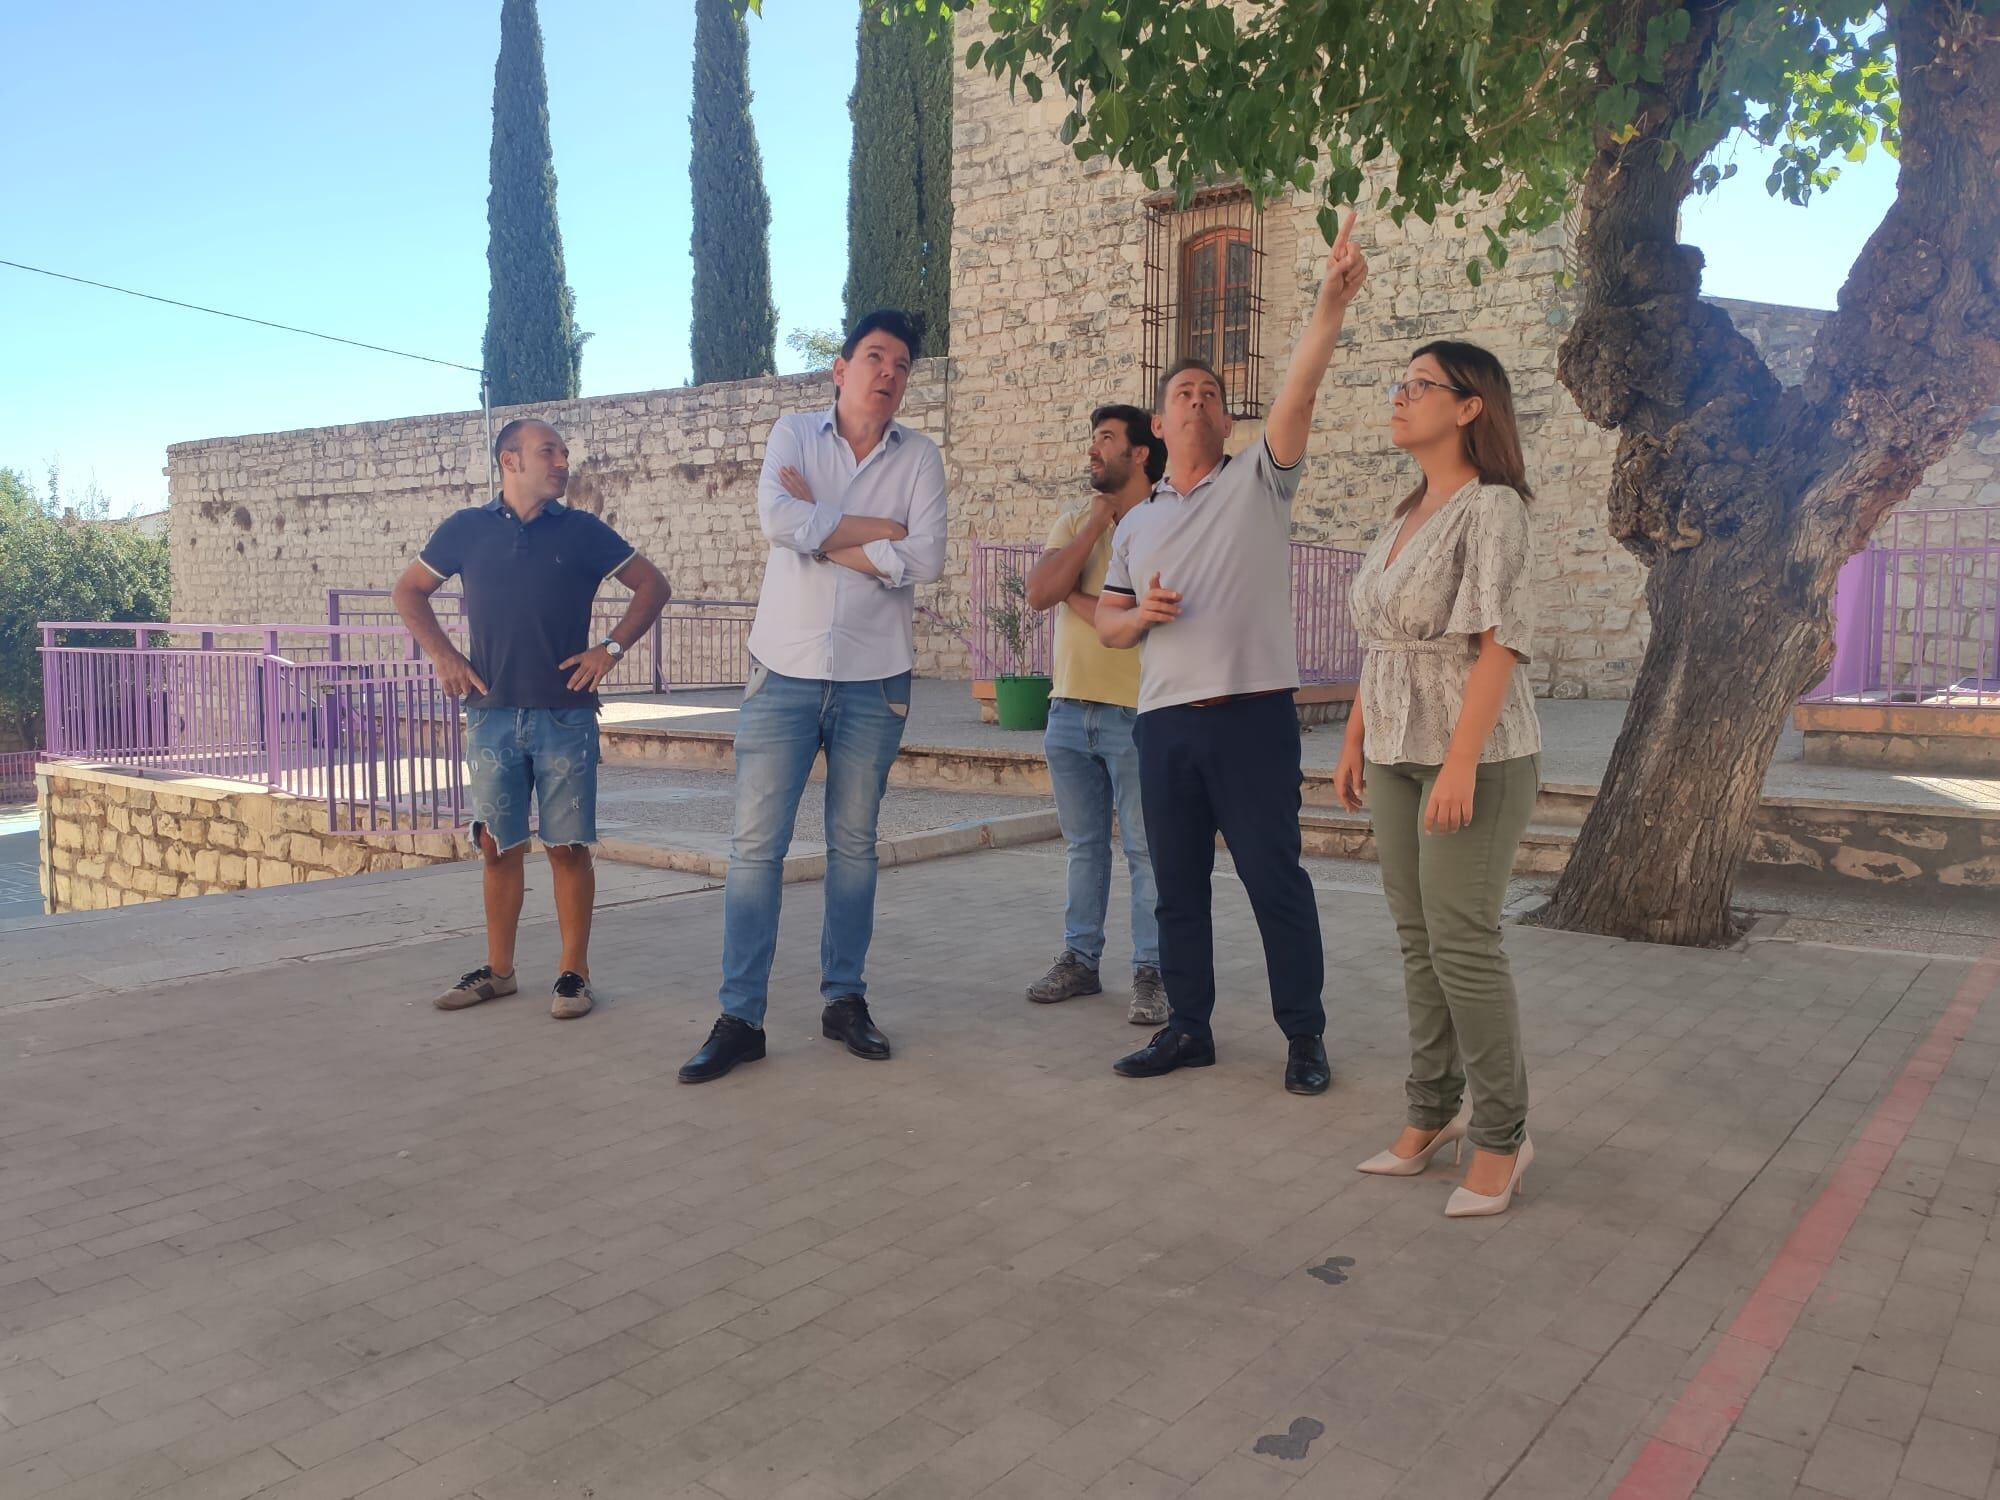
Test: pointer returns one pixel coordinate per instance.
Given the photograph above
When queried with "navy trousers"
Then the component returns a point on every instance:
(1233, 769)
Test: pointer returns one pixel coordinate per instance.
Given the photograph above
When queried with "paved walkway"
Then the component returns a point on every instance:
(20, 862)
(1578, 736)
(664, 806)
(270, 1225)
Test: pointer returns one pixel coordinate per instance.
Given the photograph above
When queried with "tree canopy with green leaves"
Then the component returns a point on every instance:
(1502, 106)
(59, 567)
(1742, 497)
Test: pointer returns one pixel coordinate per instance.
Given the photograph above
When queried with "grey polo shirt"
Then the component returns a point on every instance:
(1226, 546)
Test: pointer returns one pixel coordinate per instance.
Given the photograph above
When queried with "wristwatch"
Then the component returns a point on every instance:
(610, 644)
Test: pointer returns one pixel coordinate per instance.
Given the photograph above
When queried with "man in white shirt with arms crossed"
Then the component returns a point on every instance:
(853, 505)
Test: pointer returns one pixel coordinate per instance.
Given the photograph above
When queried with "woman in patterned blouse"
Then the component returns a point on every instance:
(1444, 745)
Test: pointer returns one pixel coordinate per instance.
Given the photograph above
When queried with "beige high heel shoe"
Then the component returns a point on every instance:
(1466, 1205)
(1389, 1164)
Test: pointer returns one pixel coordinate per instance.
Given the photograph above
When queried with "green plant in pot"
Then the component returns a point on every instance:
(1022, 701)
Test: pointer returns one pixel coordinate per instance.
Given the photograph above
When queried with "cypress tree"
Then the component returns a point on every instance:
(735, 325)
(532, 350)
(899, 177)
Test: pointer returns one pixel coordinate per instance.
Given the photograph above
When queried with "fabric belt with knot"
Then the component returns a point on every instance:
(1450, 645)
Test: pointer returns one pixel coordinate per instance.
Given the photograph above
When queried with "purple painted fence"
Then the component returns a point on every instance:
(1917, 614)
(992, 655)
(395, 753)
(696, 643)
(1329, 650)
(335, 713)
(1322, 578)
(17, 775)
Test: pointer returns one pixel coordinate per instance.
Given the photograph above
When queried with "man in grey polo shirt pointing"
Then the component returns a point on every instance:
(1200, 574)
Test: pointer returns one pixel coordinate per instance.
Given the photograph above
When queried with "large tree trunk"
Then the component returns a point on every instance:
(1744, 499)
(1656, 855)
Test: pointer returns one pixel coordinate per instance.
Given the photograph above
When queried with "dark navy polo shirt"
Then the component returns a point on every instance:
(528, 591)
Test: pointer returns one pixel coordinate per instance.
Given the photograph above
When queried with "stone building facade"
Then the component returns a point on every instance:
(1063, 281)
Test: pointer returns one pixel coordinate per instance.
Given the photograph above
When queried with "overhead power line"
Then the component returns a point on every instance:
(331, 338)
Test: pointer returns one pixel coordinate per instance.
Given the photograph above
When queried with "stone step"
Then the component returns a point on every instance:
(1339, 834)
(1913, 844)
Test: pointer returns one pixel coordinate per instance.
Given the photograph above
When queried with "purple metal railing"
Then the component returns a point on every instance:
(1917, 614)
(395, 753)
(336, 713)
(17, 775)
(696, 643)
(1328, 648)
(992, 655)
(1322, 580)
(637, 672)
(705, 643)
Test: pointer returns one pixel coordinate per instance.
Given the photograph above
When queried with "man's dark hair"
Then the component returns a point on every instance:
(1184, 364)
(508, 439)
(1138, 432)
(909, 327)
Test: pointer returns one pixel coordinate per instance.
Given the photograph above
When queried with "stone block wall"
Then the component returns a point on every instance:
(264, 525)
(117, 840)
(1966, 478)
(1048, 294)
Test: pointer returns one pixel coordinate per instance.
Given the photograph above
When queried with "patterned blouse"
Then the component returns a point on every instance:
(1467, 570)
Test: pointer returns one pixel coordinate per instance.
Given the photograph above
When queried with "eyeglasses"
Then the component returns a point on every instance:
(1416, 390)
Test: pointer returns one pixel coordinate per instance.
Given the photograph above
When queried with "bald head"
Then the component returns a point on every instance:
(534, 463)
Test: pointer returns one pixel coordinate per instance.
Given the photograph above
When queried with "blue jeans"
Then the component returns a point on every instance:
(551, 752)
(784, 724)
(1094, 766)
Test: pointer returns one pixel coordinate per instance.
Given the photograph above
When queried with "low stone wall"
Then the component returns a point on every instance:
(117, 839)
(1880, 845)
(1930, 739)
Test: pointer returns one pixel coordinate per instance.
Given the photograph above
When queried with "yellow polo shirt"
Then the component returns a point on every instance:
(1085, 667)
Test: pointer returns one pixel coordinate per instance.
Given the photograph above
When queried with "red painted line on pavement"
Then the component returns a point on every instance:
(1692, 1432)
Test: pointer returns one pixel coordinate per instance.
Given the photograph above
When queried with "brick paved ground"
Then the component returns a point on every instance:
(20, 879)
(269, 1225)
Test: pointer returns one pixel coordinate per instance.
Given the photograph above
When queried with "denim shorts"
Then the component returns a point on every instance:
(551, 752)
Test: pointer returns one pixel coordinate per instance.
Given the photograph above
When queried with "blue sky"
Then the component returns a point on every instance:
(326, 166)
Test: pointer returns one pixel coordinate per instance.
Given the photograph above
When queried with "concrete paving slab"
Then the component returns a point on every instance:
(277, 1227)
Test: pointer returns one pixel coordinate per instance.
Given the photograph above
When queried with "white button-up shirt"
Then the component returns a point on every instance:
(820, 620)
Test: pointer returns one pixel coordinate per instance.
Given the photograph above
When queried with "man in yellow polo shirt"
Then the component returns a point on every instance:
(1093, 764)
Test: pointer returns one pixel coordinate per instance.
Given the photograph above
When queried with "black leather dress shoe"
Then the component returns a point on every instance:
(731, 1042)
(1167, 1050)
(846, 1020)
(1307, 1071)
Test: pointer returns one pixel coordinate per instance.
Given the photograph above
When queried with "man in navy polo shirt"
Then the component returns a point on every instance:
(530, 567)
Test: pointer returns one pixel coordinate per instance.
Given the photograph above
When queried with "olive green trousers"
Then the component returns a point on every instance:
(1446, 892)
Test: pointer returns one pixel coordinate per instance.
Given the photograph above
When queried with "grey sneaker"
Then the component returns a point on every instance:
(1149, 998)
(481, 984)
(571, 997)
(1068, 978)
